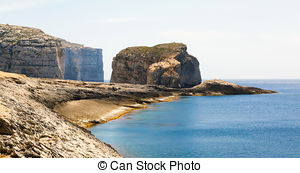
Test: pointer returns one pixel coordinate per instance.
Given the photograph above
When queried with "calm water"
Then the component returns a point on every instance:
(213, 126)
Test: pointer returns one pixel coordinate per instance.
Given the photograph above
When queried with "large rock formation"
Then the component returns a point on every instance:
(83, 63)
(31, 52)
(164, 64)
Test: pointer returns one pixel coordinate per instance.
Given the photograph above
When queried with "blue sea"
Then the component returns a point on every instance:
(237, 126)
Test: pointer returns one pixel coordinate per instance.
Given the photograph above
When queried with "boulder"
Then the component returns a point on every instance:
(164, 64)
(5, 128)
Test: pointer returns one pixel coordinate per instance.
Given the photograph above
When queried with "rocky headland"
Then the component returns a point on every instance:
(31, 52)
(35, 120)
(164, 64)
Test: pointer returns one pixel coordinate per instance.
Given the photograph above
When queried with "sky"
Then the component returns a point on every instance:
(232, 39)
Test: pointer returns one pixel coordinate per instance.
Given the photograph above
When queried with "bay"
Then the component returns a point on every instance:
(235, 126)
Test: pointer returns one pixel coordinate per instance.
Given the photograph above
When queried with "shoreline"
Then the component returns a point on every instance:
(30, 126)
(100, 118)
(130, 110)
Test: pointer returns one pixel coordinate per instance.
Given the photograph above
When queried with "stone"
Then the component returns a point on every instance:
(5, 128)
(164, 64)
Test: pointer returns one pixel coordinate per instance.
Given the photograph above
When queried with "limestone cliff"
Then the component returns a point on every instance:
(31, 52)
(164, 64)
(83, 63)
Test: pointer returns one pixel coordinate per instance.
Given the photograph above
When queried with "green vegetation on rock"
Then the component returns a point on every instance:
(158, 50)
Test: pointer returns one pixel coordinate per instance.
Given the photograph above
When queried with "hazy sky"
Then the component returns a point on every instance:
(230, 38)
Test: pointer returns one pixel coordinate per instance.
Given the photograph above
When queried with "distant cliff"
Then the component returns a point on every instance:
(164, 64)
(31, 52)
(82, 63)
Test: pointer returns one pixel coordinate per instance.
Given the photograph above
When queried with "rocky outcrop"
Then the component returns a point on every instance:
(221, 87)
(82, 63)
(164, 64)
(30, 128)
(31, 52)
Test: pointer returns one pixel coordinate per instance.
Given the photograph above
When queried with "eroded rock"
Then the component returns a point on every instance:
(164, 64)
(221, 87)
(5, 128)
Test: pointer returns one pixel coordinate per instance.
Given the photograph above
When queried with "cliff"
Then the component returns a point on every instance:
(31, 52)
(164, 64)
(83, 63)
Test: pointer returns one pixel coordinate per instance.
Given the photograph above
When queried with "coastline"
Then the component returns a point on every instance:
(116, 110)
(30, 126)
(121, 112)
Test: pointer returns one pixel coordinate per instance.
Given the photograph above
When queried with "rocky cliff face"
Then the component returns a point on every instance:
(31, 52)
(164, 64)
(83, 63)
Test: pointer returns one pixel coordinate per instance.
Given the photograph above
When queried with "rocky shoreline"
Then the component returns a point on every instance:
(33, 125)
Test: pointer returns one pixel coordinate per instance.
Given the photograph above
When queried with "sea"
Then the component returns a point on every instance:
(231, 126)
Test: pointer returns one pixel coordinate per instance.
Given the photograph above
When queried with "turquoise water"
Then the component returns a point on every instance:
(213, 126)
